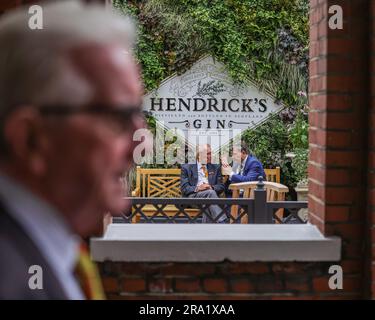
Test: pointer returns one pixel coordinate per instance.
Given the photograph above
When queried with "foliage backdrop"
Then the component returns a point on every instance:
(262, 40)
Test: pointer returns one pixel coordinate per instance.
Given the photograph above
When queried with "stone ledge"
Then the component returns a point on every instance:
(213, 243)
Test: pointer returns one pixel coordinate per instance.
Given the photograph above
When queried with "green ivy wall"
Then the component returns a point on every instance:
(262, 40)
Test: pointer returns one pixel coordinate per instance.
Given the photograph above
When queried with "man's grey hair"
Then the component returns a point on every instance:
(201, 148)
(34, 65)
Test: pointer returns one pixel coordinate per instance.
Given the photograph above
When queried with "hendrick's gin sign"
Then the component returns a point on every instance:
(204, 101)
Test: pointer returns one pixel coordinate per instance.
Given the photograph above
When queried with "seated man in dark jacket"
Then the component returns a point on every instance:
(203, 180)
(249, 167)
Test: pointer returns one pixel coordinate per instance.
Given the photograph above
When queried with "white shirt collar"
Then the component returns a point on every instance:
(44, 225)
(199, 165)
(244, 161)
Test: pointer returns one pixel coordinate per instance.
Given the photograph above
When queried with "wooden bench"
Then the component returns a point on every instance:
(165, 183)
(159, 183)
(275, 192)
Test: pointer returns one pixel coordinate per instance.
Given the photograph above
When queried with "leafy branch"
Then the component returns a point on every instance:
(210, 88)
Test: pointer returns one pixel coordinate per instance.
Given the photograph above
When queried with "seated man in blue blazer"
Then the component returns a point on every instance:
(204, 180)
(248, 167)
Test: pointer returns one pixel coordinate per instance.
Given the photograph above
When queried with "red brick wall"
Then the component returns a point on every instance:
(338, 113)
(225, 280)
(339, 102)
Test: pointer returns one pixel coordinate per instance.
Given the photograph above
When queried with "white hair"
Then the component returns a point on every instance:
(34, 67)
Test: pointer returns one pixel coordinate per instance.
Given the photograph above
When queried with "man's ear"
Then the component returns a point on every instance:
(22, 134)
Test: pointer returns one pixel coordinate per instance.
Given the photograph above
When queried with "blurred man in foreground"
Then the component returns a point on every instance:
(70, 100)
(204, 180)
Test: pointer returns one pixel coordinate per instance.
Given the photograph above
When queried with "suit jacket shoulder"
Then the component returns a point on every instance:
(251, 160)
(17, 254)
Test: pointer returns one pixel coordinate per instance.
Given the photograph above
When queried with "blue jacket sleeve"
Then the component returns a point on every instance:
(255, 170)
(186, 187)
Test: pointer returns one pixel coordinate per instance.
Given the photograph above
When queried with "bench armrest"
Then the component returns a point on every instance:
(243, 185)
(252, 184)
(136, 192)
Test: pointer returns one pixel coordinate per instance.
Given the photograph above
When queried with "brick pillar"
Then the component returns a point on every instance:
(339, 100)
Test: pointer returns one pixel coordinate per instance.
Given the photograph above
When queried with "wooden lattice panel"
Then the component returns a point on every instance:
(163, 186)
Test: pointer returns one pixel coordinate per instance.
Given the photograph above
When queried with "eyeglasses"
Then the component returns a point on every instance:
(120, 117)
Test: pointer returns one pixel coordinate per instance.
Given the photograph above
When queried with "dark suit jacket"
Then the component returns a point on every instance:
(17, 254)
(189, 178)
(252, 170)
